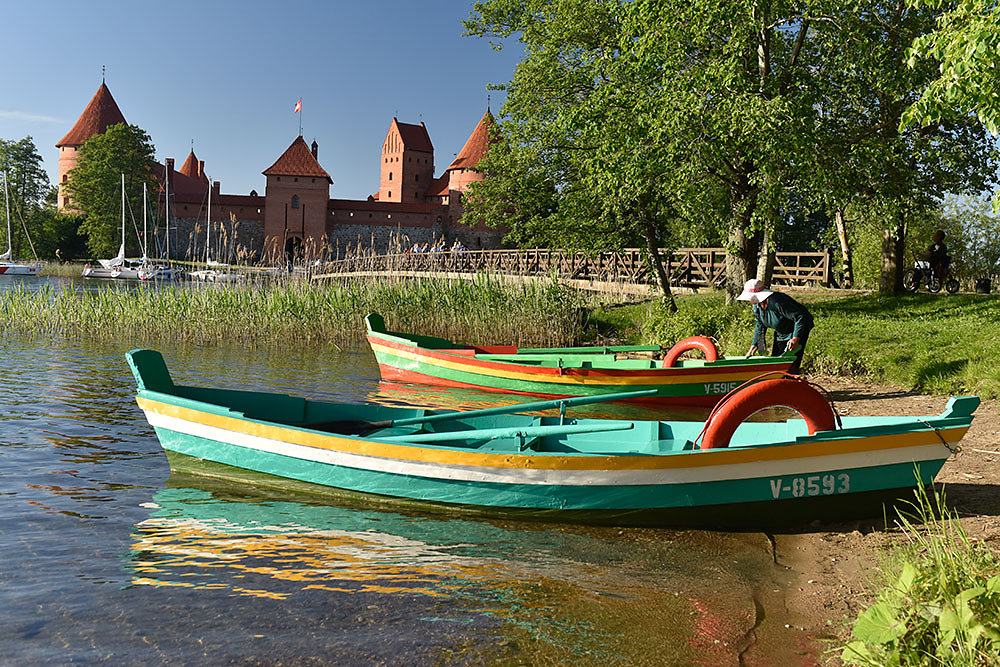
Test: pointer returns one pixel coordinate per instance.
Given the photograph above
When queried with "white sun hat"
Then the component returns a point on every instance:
(754, 291)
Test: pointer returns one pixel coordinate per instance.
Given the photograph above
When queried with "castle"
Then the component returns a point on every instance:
(296, 217)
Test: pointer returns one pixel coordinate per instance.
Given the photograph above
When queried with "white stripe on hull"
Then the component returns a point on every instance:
(725, 472)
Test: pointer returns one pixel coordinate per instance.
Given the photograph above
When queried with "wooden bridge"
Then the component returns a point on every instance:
(625, 269)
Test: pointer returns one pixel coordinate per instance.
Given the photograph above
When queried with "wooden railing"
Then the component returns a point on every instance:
(687, 267)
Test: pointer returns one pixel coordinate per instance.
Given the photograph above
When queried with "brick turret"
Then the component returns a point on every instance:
(100, 114)
(407, 163)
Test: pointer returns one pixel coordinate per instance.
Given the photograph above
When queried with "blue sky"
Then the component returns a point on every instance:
(227, 75)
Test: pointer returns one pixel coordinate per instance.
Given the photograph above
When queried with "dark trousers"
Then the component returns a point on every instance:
(779, 349)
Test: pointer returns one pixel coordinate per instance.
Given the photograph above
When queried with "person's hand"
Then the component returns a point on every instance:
(752, 351)
(793, 343)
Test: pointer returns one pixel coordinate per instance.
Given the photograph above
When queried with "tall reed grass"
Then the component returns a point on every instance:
(485, 310)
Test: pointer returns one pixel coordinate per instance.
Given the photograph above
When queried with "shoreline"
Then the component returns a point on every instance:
(830, 565)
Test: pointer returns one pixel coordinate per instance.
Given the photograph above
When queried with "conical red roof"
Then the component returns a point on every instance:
(297, 160)
(190, 168)
(100, 114)
(476, 146)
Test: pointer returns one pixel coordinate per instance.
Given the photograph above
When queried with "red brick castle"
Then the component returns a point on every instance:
(296, 216)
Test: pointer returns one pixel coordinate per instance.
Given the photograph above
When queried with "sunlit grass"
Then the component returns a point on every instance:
(937, 596)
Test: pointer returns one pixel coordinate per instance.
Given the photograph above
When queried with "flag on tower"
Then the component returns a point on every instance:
(298, 106)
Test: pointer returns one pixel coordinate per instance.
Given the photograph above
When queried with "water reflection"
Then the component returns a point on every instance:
(536, 590)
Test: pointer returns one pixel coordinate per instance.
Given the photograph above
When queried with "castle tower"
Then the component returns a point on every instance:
(100, 114)
(194, 168)
(462, 170)
(407, 163)
(297, 196)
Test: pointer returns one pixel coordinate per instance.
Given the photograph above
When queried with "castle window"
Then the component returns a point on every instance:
(295, 201)
(258, 211)
(390, 175)
(388, 216)
(64, 178)
(416, 177)
(314, 180)
(279, 178)
(296, 179)
(390, 193)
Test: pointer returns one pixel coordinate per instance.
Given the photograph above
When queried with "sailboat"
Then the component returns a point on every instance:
(209, 274)
(117, 266)
(7, 266)
(163, 271)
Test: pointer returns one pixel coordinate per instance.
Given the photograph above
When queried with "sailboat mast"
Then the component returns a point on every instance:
(144, 223)
(6, 202)
(208, 232)
(166, 179)
(123, 215)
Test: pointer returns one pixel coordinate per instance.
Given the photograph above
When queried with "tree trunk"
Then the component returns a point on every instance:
(765, 264)
(656, 261)
(891, 280)
(845, 247)
(741, 247)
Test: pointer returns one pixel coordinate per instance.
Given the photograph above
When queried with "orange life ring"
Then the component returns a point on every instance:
(703, 343)
(795, 394)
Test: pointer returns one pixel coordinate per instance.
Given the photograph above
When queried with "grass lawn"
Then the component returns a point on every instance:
(929, 342)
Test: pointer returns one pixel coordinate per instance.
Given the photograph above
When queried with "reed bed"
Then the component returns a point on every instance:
(485, 310)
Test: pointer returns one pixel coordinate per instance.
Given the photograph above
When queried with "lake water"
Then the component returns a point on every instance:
(106, 556)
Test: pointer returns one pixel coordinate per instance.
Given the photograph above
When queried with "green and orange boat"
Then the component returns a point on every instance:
(713, 473)
(571, 371)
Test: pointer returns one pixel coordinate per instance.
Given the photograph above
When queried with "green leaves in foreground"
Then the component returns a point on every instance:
(943, 606)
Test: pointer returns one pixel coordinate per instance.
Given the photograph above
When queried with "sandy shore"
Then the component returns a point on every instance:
(829, 564)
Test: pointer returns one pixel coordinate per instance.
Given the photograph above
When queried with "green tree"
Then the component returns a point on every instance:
(965, 44)
(27, 187)
(94, 184)
(672, 114)
(865, 165)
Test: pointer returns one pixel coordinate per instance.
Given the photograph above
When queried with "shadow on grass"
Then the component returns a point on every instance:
(939, 369)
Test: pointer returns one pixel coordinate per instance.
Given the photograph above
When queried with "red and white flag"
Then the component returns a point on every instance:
(298, 106)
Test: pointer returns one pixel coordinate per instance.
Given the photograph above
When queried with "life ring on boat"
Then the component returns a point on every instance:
(703, 343)
(798, 395)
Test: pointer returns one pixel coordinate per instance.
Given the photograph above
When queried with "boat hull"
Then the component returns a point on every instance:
(18, 270)
(694, 385)
(843, 468)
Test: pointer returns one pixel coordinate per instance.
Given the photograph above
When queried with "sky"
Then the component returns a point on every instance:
(227, 75)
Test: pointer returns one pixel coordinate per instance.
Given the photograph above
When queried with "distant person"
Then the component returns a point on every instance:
(937, 254)
(774, 310)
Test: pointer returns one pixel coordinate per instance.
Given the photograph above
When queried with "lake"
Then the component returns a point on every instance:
(108, 556)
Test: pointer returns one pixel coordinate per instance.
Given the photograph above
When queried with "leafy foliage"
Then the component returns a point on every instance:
(94, 184)
(938, 599)
(28, 188)
(966, 47)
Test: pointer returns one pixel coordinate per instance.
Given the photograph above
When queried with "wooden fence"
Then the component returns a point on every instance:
(687, 267)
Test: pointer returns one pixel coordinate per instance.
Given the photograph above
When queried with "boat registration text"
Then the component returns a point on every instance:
(814, 485)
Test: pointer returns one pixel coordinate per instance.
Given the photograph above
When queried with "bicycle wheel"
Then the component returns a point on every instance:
(951, 285)
(933, 284)
(911, 281)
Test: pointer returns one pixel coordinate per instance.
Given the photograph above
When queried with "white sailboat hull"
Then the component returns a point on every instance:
(13, 269)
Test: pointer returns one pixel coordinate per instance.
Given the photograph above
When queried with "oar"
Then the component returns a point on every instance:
(359, 427)
(510, 432)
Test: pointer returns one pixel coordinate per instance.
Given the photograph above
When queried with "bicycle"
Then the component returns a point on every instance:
(923, 273)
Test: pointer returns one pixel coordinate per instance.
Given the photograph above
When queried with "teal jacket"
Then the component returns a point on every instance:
(785, 315)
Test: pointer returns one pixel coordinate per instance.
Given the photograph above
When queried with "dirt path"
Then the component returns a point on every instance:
(830, 564)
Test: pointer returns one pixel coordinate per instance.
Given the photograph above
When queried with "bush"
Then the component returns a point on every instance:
(938, 600)
(702, 315)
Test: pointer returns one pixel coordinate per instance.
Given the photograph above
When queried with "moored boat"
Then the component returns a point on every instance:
(574, 371)
(721, 472)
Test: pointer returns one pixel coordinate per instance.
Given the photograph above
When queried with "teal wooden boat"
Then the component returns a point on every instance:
(722, 472)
